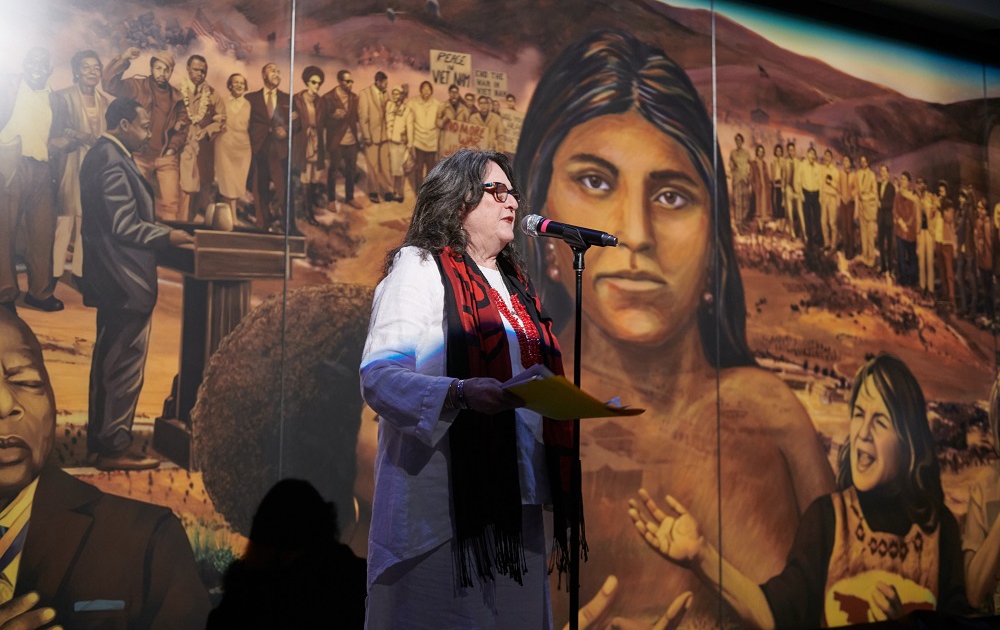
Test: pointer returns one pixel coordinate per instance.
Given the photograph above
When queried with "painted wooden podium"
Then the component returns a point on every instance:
(218, 270)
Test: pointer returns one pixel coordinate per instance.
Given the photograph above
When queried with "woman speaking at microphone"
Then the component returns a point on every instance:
(462, 471)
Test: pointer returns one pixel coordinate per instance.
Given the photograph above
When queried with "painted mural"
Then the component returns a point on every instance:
(802, 296)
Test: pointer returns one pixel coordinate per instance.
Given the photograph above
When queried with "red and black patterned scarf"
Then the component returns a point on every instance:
(486, 491)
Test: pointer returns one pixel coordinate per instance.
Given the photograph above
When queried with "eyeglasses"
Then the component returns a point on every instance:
(500, 191)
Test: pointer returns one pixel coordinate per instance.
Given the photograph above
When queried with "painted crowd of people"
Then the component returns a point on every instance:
(397, 134)
(207, 146)
(667, 325)
(917, 235)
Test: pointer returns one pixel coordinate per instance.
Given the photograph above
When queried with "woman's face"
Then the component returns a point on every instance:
(490, 225)
(313, 84)
(239, 86)
(620, 174)
(876, 450)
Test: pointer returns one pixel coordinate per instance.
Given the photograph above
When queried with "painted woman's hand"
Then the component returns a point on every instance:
(885, 603)
(670, 620)
(677, 538)
(593, 614)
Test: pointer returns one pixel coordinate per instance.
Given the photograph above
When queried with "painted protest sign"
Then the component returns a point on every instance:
(512, 122)
(449, 68)
(491, 83)
(462, 135)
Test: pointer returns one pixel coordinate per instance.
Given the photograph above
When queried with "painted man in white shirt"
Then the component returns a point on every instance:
(829, 200)
(867, 211)
(426, 110)
(26, 194)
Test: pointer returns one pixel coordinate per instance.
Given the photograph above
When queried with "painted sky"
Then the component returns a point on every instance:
(911, 70)
(916, 72)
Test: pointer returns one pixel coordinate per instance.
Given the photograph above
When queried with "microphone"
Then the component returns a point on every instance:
(537, 225)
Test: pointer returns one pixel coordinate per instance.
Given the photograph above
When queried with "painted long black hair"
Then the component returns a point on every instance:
(612, 72)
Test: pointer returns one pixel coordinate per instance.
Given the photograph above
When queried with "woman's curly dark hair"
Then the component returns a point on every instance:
(448, 194)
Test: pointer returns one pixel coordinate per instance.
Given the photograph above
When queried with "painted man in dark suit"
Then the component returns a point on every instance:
(342, 137)
(885, 236)
(119, 278)
(26, 192)
(269, 122)
(77, 556)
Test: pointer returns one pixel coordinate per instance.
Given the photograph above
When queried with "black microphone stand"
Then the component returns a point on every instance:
(573, 238)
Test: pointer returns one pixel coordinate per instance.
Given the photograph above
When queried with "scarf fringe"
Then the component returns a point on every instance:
(490, 550)
(559, 560)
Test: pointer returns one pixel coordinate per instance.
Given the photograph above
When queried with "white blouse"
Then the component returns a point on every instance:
(403, 380)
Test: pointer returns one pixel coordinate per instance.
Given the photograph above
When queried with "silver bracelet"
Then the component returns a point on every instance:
(461, 395)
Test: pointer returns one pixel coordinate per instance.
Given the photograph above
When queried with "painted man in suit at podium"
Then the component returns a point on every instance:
(86, 558)
(121, 240)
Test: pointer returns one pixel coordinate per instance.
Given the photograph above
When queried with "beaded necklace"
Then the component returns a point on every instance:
(528, 338)
(189, 90)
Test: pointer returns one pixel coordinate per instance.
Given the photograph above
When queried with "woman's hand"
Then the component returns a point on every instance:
(487, 395)
(677, 538)
(885, 603)
(668, 621)
(594, 613)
